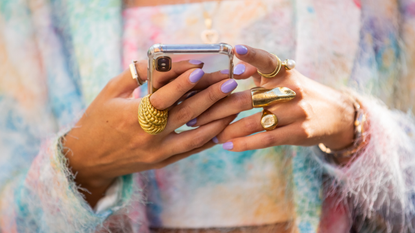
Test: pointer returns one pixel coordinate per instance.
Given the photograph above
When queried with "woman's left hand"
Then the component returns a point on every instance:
(318, 113)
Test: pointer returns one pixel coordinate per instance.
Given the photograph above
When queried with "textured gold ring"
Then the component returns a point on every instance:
(151, 120)
(134, 73)
(262, 97)
(288, 65)
(269, 120)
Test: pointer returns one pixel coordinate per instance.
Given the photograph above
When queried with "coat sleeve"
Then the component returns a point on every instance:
(379, 184)
(45, 198)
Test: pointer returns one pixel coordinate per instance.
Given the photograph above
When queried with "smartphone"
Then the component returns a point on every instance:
(162, 57)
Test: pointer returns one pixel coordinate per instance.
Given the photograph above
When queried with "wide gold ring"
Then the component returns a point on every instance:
(288, 65)
(135, 75)
(151, 120)
(262, 97)
(269, 120)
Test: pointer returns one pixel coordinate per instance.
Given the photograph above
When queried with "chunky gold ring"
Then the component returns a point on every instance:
(134, 73)
(262, 97)
(288, 65)
(152, 120)
(269, 120)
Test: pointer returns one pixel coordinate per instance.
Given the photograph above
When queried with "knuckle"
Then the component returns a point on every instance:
(181, 87)
(156, 102)
(307, 132)
(184, 113)
(211, 94)
(251, 125)
(197, 141)
(242, 102)
(269, 140)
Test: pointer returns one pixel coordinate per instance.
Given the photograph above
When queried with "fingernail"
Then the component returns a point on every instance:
(192, 93)
(192, 122)
(226, 71)
(240, 49)
(195, 62)
(215, 140)
(228, 86)
(239, 69)
(196, 75)
(227, 146)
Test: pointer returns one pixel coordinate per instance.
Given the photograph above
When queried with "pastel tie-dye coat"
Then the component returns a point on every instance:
(55, 56)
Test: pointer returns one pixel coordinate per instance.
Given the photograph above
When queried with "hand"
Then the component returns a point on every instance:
(108, 141)
(318, 114)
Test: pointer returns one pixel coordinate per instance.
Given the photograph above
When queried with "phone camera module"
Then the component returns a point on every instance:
(163, 64)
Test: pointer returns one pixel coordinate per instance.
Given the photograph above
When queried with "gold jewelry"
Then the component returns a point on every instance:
(269, 120)
(273, 73)
(262, 97)
(359, 136)
(209, 35)
(287, 63)
(152, 120)
(134, 73)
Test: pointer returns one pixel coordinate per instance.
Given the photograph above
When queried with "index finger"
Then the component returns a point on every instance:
(264, 61)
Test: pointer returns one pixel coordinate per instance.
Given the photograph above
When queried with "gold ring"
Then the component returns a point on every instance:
(273, 73)
(262, 97)
(269, 120)
(134, 73)
(287, 63)
(151, 120)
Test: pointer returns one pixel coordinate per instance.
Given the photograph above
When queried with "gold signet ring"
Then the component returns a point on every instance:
(134, 73)
(262, 97)
(269, 120)
(151, 120)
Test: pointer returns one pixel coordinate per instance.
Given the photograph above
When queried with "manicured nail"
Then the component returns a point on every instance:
(196, 75)
(227, 146)
(226, 71)
(228, 86)
(239, 69)
(192, 93)
(215, 140)
(240, 49)
(192, 122)
(195, 62)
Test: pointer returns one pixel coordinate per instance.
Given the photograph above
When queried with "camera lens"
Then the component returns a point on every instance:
(162, 61)
(163, 64)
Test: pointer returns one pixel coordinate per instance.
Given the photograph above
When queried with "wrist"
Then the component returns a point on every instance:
(346, 135)
(91, 186)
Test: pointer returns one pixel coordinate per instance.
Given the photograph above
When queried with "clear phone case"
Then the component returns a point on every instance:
(162, 58)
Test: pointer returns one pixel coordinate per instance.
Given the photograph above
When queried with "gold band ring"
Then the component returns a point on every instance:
(262, 97)
(134, 73)
(151, 120)
(269, 120)
(288, 65)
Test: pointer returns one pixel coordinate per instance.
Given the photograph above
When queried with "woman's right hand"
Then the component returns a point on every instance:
(108, 141)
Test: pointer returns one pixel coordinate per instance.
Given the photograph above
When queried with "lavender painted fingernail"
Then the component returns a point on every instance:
(195, 62)
(196, 75)
(228, 86)
(215, 140)
(226, 71)
(192, 122)
(227, 146)
(241, 50)
(239, 69)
